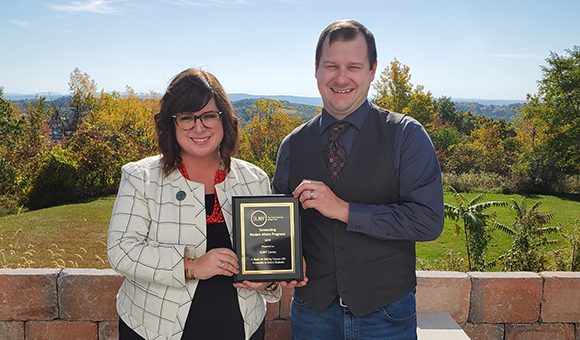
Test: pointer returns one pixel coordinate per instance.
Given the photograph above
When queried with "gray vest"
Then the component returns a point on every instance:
(366, 272)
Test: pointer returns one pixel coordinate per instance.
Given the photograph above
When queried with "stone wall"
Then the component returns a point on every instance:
(80, 304)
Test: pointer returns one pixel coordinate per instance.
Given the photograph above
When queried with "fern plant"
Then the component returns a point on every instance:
(529, 237)
(476, 225)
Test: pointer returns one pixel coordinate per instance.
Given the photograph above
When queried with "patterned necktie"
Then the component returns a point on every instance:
(334, 153)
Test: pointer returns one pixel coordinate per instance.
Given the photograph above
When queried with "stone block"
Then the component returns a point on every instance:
(278, 330)
(444, 291)
(11, 330)
(88, 294)
(510, 297)
(484, 331)
(61, 330)
(273, 311)
(109, 330)
(539, 331)
(28, 294)
(561, 302)
(286, 303)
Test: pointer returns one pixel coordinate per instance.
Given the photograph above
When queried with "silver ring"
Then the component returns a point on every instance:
(222, 265)
(311, 194)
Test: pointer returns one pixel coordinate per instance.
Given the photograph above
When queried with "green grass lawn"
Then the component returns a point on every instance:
(75, 235)
(566, 209)
(66, 236)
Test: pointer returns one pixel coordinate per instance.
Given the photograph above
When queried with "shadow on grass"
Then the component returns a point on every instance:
(569, 197)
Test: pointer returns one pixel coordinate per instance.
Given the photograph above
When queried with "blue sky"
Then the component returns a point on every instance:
(460, 49)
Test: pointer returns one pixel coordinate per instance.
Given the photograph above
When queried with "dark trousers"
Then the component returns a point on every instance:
(126, 333)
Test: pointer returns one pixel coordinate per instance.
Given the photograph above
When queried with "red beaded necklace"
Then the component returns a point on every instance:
(220, 176)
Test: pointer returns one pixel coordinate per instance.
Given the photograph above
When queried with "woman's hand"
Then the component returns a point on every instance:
(218, 261)
(252, 285)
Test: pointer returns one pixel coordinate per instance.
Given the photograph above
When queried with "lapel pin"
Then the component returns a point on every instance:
(180, 195)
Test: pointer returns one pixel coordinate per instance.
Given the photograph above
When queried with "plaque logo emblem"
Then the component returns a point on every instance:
(258, 218)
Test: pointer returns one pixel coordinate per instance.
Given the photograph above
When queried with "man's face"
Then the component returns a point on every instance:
(344, 76)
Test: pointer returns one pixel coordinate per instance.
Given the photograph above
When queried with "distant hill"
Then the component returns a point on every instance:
(61, 101)
(304, 107)
(494, 111)
(488, 101)
(296, 109)
(19, 96)
(315, 101)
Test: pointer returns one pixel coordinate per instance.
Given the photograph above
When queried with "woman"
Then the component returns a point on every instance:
(177, 260)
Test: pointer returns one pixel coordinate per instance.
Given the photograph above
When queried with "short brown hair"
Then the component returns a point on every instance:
(190, 91)
(347, 30)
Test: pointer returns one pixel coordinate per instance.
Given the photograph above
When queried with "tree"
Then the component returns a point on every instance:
(493, 157)
(444, 137)
(463, 157)
(264, 133)
(556, 109)
(26, 136)
(396, 93)
(84, 100)
(528, 234)
(537, 169)
(129, 114)
(10, 132)
(394, 89)
(445, 109)
(118, 130)
(421, 106)
(9, 121)
(475, 225)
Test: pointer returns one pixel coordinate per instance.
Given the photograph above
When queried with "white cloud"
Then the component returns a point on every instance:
(205, 2)
(21, 23)
(230, 2)
(294, 2)
(91, 6)
(184, 2)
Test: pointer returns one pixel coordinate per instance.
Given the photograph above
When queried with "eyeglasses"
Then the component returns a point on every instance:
(186, 120)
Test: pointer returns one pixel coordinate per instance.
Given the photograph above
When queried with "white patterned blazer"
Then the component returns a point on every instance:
(151, 231)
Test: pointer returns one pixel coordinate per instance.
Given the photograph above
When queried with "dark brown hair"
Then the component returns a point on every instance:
(347, 30)
(190, 91)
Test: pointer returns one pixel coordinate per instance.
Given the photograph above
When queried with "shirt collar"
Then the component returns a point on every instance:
(356, 118)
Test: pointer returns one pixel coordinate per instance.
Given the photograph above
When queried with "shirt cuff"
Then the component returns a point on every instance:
(359, 217)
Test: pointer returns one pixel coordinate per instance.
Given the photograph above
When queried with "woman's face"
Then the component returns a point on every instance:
(201, 142)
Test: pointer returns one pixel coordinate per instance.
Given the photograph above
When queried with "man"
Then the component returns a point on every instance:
(363, 215)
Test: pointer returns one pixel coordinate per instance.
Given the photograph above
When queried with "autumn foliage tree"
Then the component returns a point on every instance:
(396, 93)
(394, 88)
(549, 126)
(264, 132)
(85, 143)
(101, 133)
(26, 137)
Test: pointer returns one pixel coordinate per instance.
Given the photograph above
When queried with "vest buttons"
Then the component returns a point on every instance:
(338, 248)
(336, 225)
(339, 270)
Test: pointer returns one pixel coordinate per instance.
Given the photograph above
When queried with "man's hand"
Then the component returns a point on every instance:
(314, 194)
(293, 284)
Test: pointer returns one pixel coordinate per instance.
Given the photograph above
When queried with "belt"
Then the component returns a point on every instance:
(340, 301)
